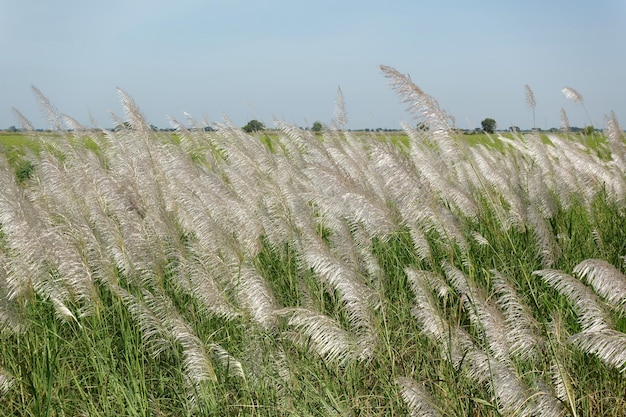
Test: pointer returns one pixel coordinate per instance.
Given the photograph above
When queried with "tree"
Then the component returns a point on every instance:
(589, 130)
(253, 126)
(317, 127)
(489, 125)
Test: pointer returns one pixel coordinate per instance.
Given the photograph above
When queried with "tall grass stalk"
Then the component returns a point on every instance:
(226, 273)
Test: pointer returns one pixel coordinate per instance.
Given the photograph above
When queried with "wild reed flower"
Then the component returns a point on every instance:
(6, 382)
(417, 399)
(420, 103)
(256, 296)
(322, 335)
(522, 328)
(530, 101)
(591, 315)
(573, 95)
(609, 345)
(606, 280)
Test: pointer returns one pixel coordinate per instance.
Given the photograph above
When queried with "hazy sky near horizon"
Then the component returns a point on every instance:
(285, 59)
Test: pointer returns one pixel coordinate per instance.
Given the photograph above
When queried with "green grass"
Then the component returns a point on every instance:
(154, 222)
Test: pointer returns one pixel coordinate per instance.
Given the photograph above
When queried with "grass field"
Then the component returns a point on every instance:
(222, 273)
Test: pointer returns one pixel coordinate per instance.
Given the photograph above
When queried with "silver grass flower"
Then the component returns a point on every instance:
(530, 101)
(434, 281)
(357, 298)
(196, 277)
(615, 136)
(340, 118)
(545, 241)
(564, 121)
(484, 315)
(511, 394)
(6, 381)
(453, 341)
(523, 330)
(591, 315)
(480, 239)
(322, 335)
(420, 242)
(606, 280)
(545, 402)
(49, 111)
(256, 295)
(560, 372)
(426, 309)
(153, 330)
(572, 94)
(134, 116)
(23, 122)
(530, 97)
(420, 103)
(226, 360)
(417, 398)
(197, 362)
(10, 313)
(609, 345)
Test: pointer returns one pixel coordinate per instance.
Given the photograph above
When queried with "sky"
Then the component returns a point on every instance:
(285, 60)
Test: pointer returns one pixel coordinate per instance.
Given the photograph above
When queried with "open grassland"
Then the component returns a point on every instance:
(221, 273)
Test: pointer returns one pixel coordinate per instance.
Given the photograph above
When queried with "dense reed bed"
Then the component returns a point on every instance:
(222, 273)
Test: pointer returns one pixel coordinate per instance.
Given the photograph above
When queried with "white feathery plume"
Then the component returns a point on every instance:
(297, 142)
(572, 94)
(615, 136)
(153, 330)
(24, 123)
(60, 197)
(484, 315)
(546, 402)
(196, 276)
(420, 103)
(358, 299)
(257, 296)
(31, 241)
(564, 121)
(323, 335)
(426, 309)
(591, 315)
(512, 395)
(417, 398)
(432, 280)
(523, 329)
(540, 193)
(73, 124)
(561, 379)
(453, 341)
(420, 242)
(607, 344)
(134, 116)
(10, 318)
(530, 101)
(197, 362)
(606, 280)
(545, 241)
(226, 360)
(49, 111)
(340, 119)
(6, 381)
(480, 239)
(530, 97)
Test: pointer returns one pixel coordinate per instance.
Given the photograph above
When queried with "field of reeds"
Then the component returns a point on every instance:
(223, 273)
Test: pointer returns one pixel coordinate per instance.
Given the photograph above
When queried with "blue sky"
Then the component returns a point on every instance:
(285, 59)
